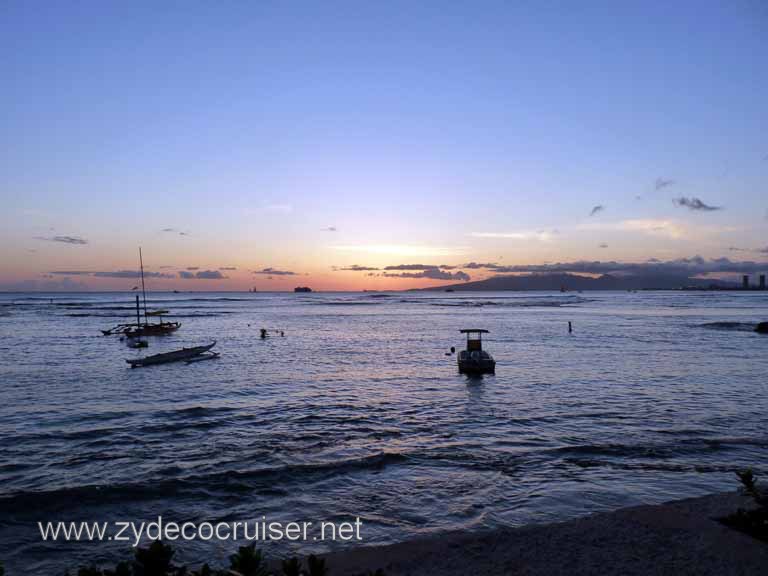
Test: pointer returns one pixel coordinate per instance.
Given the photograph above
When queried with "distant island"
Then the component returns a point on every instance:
(568, 282)
(302, 289)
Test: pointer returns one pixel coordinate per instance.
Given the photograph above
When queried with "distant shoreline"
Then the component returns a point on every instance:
(428, 289)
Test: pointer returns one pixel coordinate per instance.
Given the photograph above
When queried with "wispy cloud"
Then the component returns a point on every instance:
(662, 183)
(330, 229)
(430, 273)
(650, 226)
(356, 268)
(274, 272)
(75, 240)
(603, 245)
(480, 265)
(193, 267)
(202, 275)
(410, 267)
(174, 231)
(110, 274)
(695, 204)
(228, 268)
(541, 235)
(404, 249)
(596, 209)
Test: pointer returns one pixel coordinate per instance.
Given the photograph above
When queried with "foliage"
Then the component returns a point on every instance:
(755, 521)
(157, 560)
(292, 567)
(248, 562)
(316, 566)
(153, 561)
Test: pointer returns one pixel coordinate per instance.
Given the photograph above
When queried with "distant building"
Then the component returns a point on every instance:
(745, 282)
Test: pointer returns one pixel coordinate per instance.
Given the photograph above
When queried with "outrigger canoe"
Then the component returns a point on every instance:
(185, 354)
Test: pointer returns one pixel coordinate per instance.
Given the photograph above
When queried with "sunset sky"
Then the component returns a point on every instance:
(273, 145)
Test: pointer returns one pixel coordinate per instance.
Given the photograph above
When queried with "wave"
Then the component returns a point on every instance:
(537, 303)
(735, 326)
(232, 481)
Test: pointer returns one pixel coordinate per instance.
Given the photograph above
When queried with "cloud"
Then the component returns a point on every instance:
(542, 235)
(357, 268)
(193, 267)
(112, 274)
(662, 183)
(228, 268)
(77, 240)
(681, 266)
(411, 267)
(480, 265)
(174, 231)
(649, 226)
(131, 274)
(273, 272)
(695, 204)
(202, 275)
(596, 209)
(431, 273)
(47, 285)
(330, 229)
(404, 249)
(603, 245)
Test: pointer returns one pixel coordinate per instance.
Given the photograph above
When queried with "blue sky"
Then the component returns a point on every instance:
(447, 132)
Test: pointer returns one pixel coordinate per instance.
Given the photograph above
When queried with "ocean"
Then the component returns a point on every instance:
(357, 411)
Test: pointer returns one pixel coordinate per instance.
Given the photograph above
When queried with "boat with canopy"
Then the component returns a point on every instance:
(474, 360)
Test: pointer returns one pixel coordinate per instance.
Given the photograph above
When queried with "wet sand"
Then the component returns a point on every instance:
(676, 538)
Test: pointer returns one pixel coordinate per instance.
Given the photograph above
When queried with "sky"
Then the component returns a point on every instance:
(362, 145)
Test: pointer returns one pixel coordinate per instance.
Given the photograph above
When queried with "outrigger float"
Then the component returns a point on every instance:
(474, 360)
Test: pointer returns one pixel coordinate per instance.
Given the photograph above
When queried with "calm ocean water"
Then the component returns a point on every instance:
(358, 412)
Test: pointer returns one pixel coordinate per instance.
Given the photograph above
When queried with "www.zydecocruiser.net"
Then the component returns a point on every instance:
(261, 530)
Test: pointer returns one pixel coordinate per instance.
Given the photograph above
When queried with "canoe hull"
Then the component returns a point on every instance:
(176, 356)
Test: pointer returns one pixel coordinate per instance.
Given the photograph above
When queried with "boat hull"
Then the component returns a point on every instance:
(160, 329)
(482, 363)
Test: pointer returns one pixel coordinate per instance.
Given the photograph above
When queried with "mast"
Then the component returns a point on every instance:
(143, 290)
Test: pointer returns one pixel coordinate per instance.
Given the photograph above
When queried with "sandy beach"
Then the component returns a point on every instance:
(679, 537)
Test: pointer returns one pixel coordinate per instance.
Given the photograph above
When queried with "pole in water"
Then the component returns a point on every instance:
(143, 290)
(570, 327)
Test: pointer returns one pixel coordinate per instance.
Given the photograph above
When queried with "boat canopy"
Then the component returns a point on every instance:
(157, 312)
(470, 330)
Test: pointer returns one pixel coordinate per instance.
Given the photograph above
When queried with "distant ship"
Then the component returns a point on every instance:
(302, 289)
